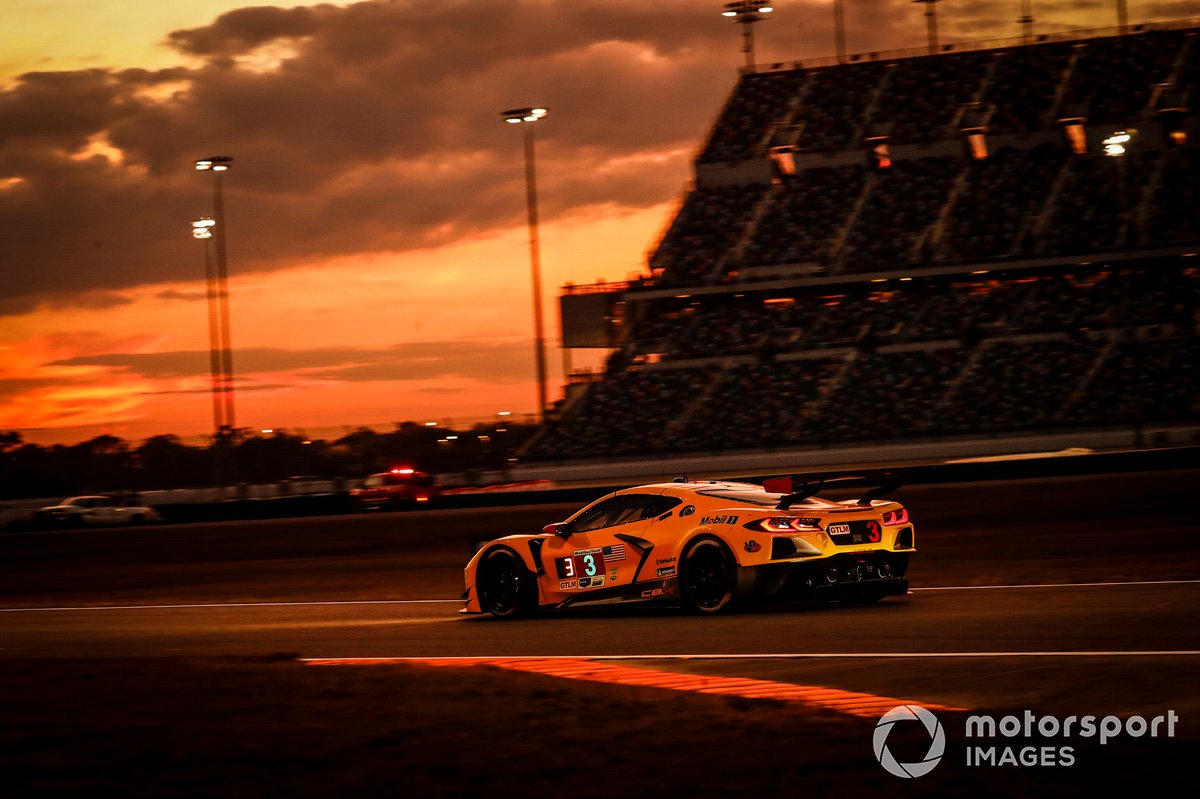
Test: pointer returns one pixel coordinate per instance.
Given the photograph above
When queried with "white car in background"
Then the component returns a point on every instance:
(98, 510)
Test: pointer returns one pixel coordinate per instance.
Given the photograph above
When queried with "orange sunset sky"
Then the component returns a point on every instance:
(375, 210)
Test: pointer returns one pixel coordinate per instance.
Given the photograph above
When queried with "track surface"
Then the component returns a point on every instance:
(162, 662)
(1052, 592)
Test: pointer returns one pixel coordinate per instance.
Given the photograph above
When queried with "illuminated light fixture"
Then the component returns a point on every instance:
(452, 438)
(504, 413)
(746, 12)
(402, 471)
(431, 424)
(518, 115)
(267, 430)
(1114, 145)
(202, 228)
(215, 163)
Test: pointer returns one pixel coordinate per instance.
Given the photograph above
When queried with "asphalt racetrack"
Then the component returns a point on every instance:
(1060, 596)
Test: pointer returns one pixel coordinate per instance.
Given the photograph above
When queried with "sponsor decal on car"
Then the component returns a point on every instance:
(612, 575)
(581, 563)
(688, 510)
(753, 546)
(667, 572)
(719, 519)
(567, 585)
(839, 529)
(661, 561)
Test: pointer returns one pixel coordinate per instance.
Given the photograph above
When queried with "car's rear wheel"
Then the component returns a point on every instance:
(710, 581)
(507, 590)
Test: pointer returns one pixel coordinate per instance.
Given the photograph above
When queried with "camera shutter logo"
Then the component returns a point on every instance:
(937, 745)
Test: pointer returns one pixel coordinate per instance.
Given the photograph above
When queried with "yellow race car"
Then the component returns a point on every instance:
(708, 546)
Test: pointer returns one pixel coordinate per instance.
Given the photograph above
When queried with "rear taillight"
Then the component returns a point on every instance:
(785, 524)
(894, 518)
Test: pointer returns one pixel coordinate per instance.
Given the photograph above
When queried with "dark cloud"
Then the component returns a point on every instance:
(490, 361)
(379, 128)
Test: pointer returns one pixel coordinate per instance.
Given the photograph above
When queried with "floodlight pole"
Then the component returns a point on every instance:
(526, 117)
(202, 229)
(1026, 21)
(218, 165)
(931, 22)
(839, 30)
(227, 425)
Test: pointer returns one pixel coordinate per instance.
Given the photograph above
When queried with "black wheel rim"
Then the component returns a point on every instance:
(501, 590)
(708, 577)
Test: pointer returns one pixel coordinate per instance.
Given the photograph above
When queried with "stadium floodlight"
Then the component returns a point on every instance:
(220, 340)
(218, 165)
(1114, 145)
(527, 116)
(202, 228)
(746, 13)
(215, 163)
(516, 116)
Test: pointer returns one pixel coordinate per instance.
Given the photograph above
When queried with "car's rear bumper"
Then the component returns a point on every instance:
(860, 575)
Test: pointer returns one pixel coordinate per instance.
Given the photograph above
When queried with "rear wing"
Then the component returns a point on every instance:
(799, 487)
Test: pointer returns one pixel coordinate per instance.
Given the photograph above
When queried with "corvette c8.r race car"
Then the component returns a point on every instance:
(708, 546)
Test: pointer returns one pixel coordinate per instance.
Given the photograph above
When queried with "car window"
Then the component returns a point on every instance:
(373, 480)
(747, 497)
(623, 510)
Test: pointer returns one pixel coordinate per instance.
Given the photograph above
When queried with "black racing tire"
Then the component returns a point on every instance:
(710, 580)
(506, 589)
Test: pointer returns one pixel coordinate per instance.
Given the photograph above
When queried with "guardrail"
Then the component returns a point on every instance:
(966, 471)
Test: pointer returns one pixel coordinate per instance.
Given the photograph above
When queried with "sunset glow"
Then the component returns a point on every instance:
(378, 254)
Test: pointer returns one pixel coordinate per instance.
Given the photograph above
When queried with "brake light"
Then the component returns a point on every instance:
(785, 524)
(402, 471)
(893, 518)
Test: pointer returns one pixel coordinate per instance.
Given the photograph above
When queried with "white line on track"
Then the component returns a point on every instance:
(239, 605)
(774, 656)
(1052, 585)
(435, 601)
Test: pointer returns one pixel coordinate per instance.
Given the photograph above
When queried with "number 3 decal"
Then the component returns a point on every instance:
(589, 565)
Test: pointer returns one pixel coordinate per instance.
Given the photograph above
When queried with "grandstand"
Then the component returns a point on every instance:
(985, 241)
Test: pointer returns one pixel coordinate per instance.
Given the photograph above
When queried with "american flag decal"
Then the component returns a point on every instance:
(615, 552)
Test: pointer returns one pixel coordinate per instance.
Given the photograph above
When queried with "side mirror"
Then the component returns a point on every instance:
(562, 529)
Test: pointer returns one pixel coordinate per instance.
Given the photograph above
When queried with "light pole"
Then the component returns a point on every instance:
(931, 22)
(839, 31)
(218, 165)
(746, 13)
(526, 117)
(202, 229)
(1026, 21)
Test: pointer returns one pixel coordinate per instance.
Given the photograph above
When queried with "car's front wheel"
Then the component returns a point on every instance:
(710, 581)
(507, 589)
